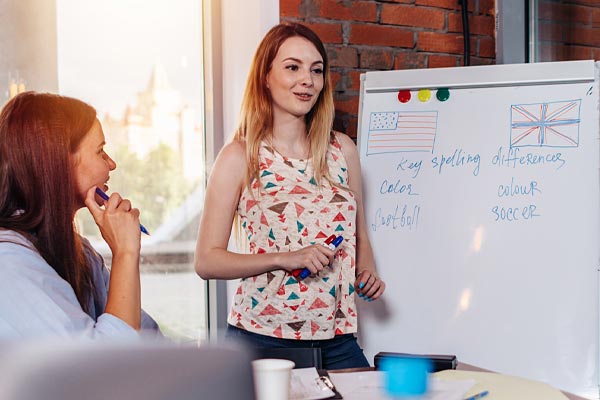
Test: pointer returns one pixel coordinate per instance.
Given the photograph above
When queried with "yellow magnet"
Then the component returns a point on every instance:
(424, 95)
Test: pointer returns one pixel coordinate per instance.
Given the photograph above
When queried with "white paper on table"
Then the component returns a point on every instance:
(359, 385)
(305, 384)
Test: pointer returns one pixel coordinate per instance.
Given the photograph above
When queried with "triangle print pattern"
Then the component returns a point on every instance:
(286, 211)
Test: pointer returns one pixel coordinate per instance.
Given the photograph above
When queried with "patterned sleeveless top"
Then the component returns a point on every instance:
(290, 213)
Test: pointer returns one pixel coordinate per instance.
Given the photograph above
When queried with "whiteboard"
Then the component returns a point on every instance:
(483, 212)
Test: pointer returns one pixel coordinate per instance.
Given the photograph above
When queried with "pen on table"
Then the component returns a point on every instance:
(104, 196)
(478, 395)
(333, 244)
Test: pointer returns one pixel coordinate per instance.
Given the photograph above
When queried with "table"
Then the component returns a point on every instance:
(467, 367)
(461, 367)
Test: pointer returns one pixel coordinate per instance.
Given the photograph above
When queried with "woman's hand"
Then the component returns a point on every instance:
(314, 257)
(119, 223)
(369, 286)
(120, 227)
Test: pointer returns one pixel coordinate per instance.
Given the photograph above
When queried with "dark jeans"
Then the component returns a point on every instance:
(340, 352)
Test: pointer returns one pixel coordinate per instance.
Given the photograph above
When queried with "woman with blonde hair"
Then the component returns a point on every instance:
(290, 182)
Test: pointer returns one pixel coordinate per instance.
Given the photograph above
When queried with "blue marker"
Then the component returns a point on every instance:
(100, 193)
(333, 245)
(478, 395)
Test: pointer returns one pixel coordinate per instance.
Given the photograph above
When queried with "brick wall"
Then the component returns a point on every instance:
(363, 35)
(569, 30)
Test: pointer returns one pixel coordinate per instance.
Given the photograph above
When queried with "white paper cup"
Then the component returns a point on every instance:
(272, 378)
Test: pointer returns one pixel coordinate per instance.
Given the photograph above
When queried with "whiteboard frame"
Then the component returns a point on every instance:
(480, 76)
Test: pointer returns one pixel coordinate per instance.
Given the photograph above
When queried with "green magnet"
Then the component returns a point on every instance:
(443, 94)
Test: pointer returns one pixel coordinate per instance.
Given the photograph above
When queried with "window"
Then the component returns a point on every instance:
(139, 64)
(562, 31)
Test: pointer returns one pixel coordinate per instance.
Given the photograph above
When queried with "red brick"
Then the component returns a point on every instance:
(352, 128)
(348, 11)
(487, 47)
(410, 60)
(478, 24)
(375, 59)
(336, 81)
(565, 13)
(347, 104)
(343, 56)
(579, 52)
(346, 80)
(547, 11)
(442, 61)
(309, 9)
(580, 15)
(381, 35)
(402, 1)
(340, 121)
(593, 3)
(585, 36)
(423, 17)
(353, 79)
(440, 42)
(596, 18)
(289, 8)
(448, 4)
(555, 52)
(596, 54)
(487, 7)
(550, 32)
(328, 32)
(481, 61)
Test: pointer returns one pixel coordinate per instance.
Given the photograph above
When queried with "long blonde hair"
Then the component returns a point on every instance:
(256, 116)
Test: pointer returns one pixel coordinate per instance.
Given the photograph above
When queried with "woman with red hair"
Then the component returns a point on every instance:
(52, 282)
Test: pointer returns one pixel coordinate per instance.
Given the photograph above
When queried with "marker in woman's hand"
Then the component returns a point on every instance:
(104, 196)
(332, 242)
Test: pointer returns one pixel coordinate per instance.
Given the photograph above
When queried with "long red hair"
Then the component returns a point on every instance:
(38, 134)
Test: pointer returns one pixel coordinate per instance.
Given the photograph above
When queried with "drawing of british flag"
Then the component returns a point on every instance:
(554, 124)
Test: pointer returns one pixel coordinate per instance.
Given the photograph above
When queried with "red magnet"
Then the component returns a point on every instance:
(404, 96)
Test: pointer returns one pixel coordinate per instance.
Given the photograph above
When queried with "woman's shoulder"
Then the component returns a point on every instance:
(15, 242)
(344, 143)
(21, 262)
(233, 153)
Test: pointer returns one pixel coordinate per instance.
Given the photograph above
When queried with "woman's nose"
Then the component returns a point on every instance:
(111, 163)
(307, 78)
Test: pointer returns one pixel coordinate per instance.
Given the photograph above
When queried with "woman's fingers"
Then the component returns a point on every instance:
(315, 258)
(369, 286)
(117, 220)
(92, 205)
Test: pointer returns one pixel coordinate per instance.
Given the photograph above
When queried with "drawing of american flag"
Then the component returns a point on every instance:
(394, 132)
(554, 124)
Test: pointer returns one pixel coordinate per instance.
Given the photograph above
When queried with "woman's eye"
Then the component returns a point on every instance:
(292, 67)
(318, 71)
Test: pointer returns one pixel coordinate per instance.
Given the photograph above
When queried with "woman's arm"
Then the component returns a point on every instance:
(212, 259)
(36, 302)
(367, 282)
(120, 227)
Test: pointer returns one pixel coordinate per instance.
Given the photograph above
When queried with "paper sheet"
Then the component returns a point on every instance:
(504, 387)
(305, 384)
(370, 385)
